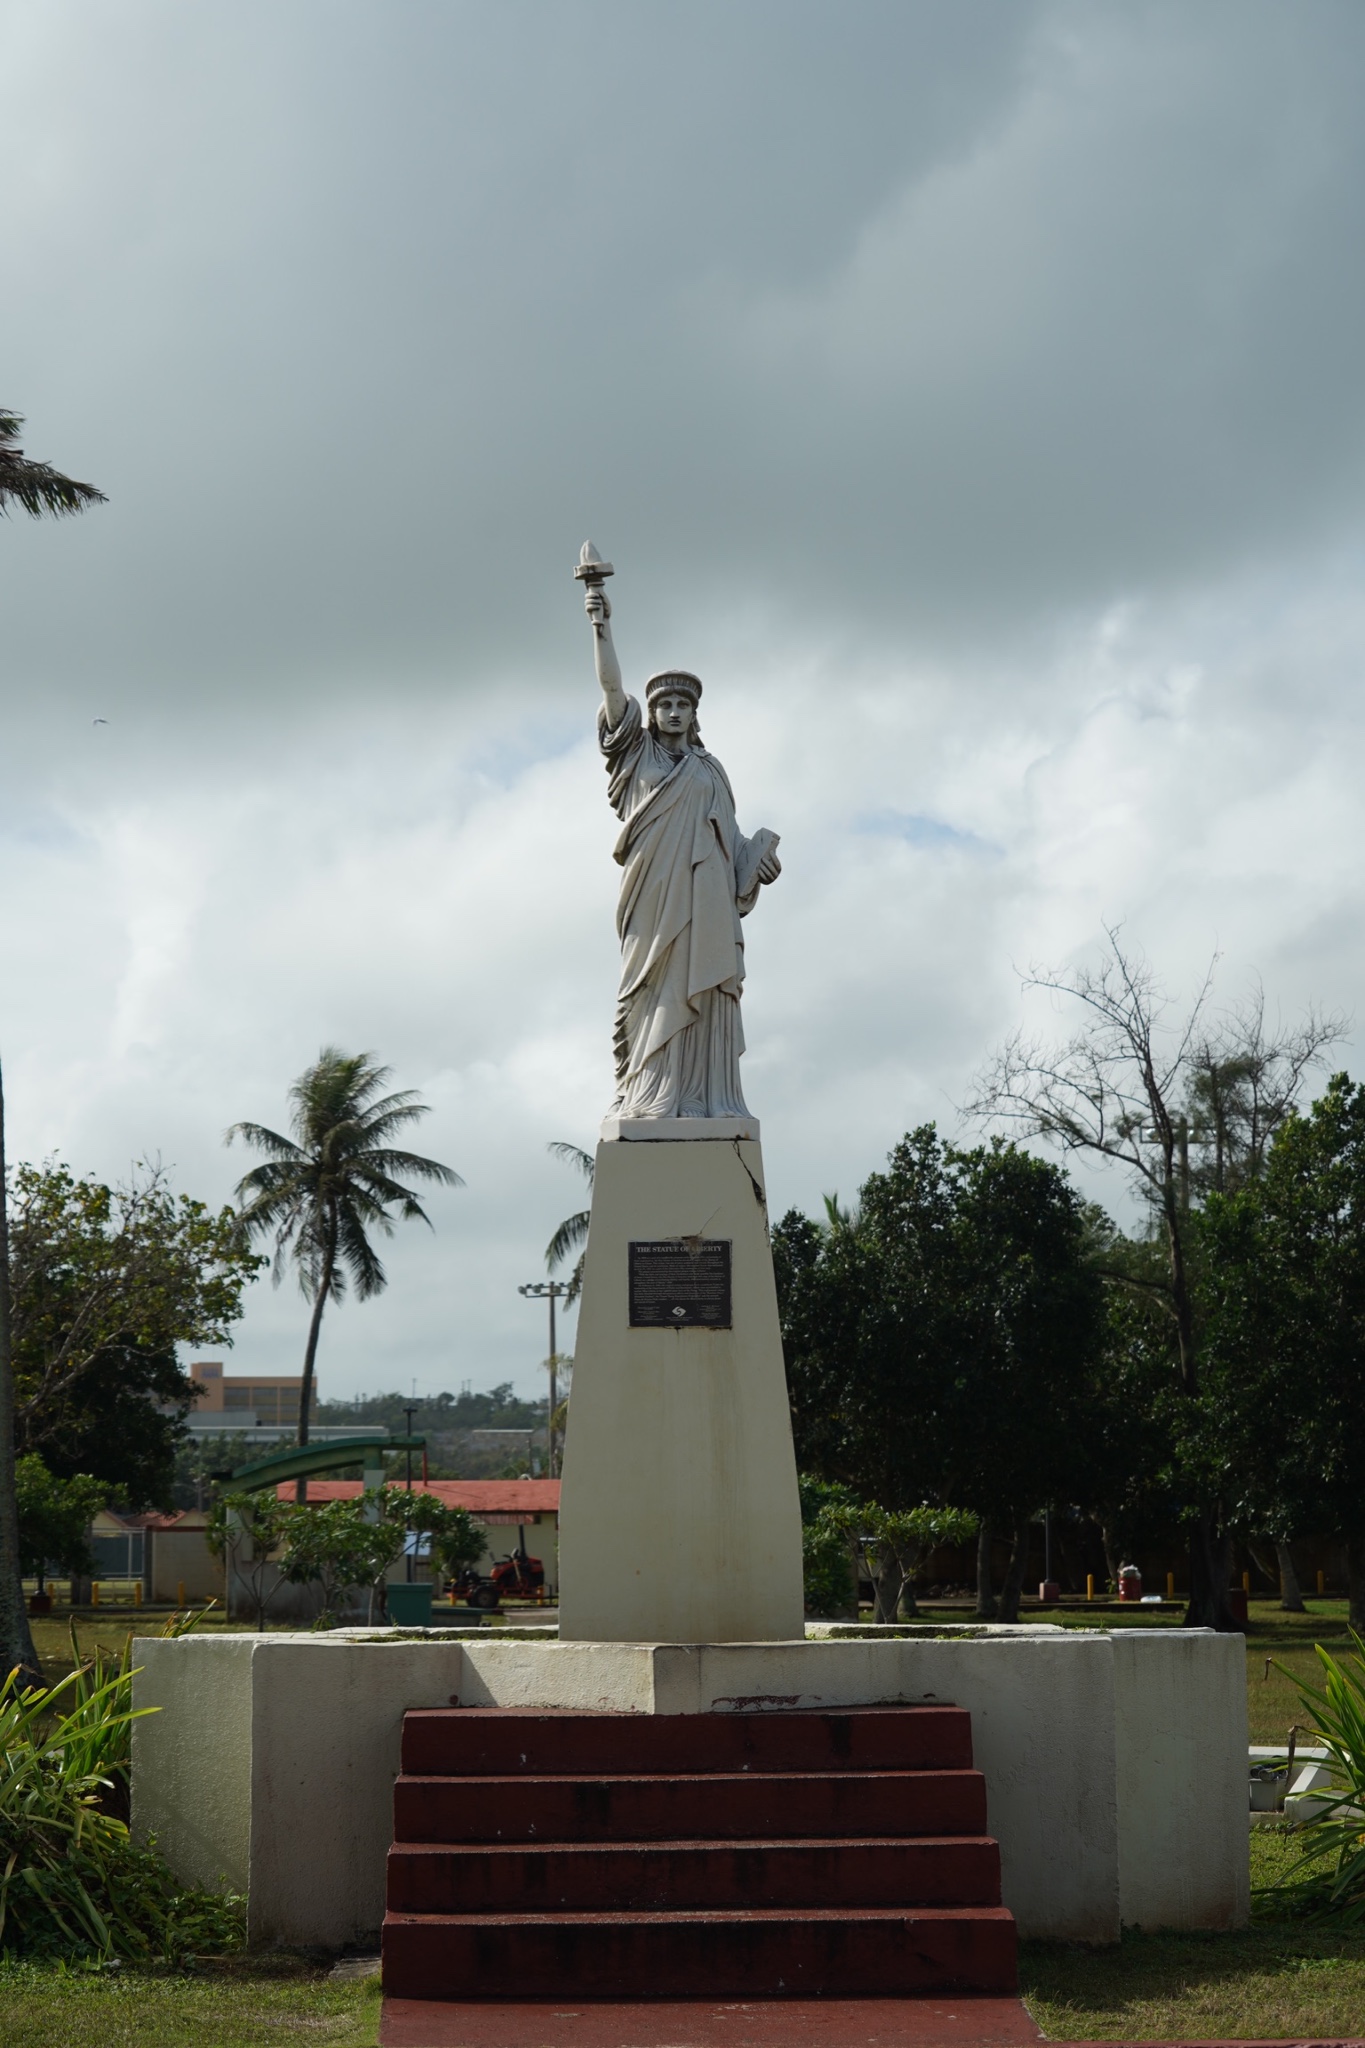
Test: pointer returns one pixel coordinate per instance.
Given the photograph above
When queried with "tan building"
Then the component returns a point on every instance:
(168, 1553)
(271, 1399)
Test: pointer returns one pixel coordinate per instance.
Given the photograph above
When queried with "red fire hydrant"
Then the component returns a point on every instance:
(1130, 1582)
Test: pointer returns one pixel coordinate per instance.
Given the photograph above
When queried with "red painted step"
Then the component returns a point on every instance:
(764, 1805)
(436, 1877)
(504, 1742)
(748, 1854)
(810, 1952)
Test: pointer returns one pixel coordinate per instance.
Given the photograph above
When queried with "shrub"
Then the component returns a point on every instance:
(456, 1538)
(893, 1544)
(827, 1567)
(335, 1546)
(72, 1881)
(245, 1530)
(55, 1517)
(831, 1589)
(1327, 1881)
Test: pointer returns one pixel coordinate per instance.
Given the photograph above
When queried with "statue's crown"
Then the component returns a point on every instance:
(670, 679)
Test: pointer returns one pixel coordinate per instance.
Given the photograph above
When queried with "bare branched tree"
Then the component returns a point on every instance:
(1244, 1080)
(1146, 1089)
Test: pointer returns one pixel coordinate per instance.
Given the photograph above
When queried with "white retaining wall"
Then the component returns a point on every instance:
(1115, 1761)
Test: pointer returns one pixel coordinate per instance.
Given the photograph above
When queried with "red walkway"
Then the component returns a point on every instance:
(785, 2023)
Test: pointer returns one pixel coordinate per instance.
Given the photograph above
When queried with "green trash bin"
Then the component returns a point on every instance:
(409, 1606)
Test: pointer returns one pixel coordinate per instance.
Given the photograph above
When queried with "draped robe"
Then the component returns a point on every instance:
(686, 882)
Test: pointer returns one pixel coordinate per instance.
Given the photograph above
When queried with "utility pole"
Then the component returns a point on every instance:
(551, 1291)
(409, 1410)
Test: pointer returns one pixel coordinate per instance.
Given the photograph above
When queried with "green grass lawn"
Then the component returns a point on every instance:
(1279, 1978)
(240, 2002)
(1282, 1642)
(105, 1628)
(1270, 1983)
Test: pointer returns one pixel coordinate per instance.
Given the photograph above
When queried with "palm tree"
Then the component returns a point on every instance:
(572, 1233)
(322, 1191)
(37, 486)
(841, 1220)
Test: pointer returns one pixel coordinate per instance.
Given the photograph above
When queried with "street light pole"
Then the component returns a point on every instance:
(409, 1411)
(551, 1291)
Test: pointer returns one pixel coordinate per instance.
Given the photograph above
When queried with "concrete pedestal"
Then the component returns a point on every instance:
(1115, 1763)
(679, 1519)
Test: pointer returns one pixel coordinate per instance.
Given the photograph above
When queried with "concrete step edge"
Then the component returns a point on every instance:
(701, 1844)
(700, 1915)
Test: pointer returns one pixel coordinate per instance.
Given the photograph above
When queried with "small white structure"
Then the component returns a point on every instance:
(1115, 1761)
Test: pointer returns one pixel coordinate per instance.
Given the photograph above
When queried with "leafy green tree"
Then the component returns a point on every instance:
(1132, 1484)
(55, 1517)
(197, 1460)
(1176, 1104)
(17, 1653)
(829, 1568)
(892, 1545)
(36, 486)
(494, 1408)
(105, 1283)
(322, 1192)
(942, 1340)
(1284, 1406)
(246, 1530)
(456, 1538)
(338, 1544)
(39, 489)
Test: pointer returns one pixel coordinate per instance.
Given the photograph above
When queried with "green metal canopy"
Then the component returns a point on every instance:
(307, 1462)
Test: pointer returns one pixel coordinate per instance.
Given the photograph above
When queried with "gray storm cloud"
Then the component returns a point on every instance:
(972, 394)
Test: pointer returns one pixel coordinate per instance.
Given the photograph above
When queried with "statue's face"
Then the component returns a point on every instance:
(674, 714)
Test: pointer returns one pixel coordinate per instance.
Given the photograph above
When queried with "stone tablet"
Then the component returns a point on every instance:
(680, 1283)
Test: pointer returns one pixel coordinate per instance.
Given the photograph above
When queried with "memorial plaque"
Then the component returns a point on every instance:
(680, 1283)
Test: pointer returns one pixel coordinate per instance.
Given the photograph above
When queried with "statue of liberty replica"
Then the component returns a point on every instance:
(679, 1428)
(688, 877)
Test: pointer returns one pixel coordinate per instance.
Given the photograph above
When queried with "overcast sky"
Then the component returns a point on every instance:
(971, 393)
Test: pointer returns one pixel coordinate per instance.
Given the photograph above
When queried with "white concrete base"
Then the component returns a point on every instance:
(1115, 1762)
(679, 1519)
(691, 1130)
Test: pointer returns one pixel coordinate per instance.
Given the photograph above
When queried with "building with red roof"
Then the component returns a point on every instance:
(491, 1501)
(529, 1505)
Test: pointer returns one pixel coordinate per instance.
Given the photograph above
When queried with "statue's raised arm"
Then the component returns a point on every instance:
(592, 572)
(688, 877)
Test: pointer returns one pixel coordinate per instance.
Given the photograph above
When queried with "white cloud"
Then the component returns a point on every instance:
(977, 408)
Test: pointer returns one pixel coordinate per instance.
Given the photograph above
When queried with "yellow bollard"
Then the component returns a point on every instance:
(137, 1592)
(1246, 1582)
(1170, 1585)
(1322, 1582)
(1090, 1585)
(94, 1592)
(180, 1592)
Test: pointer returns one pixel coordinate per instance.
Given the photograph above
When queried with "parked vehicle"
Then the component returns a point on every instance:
(516, 1577)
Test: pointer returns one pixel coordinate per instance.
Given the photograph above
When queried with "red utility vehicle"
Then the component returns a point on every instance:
(515, 1577)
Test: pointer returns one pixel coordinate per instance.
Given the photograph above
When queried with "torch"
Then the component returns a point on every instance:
(591, 569)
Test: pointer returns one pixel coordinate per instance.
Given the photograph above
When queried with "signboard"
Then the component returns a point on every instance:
(680, 1283)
